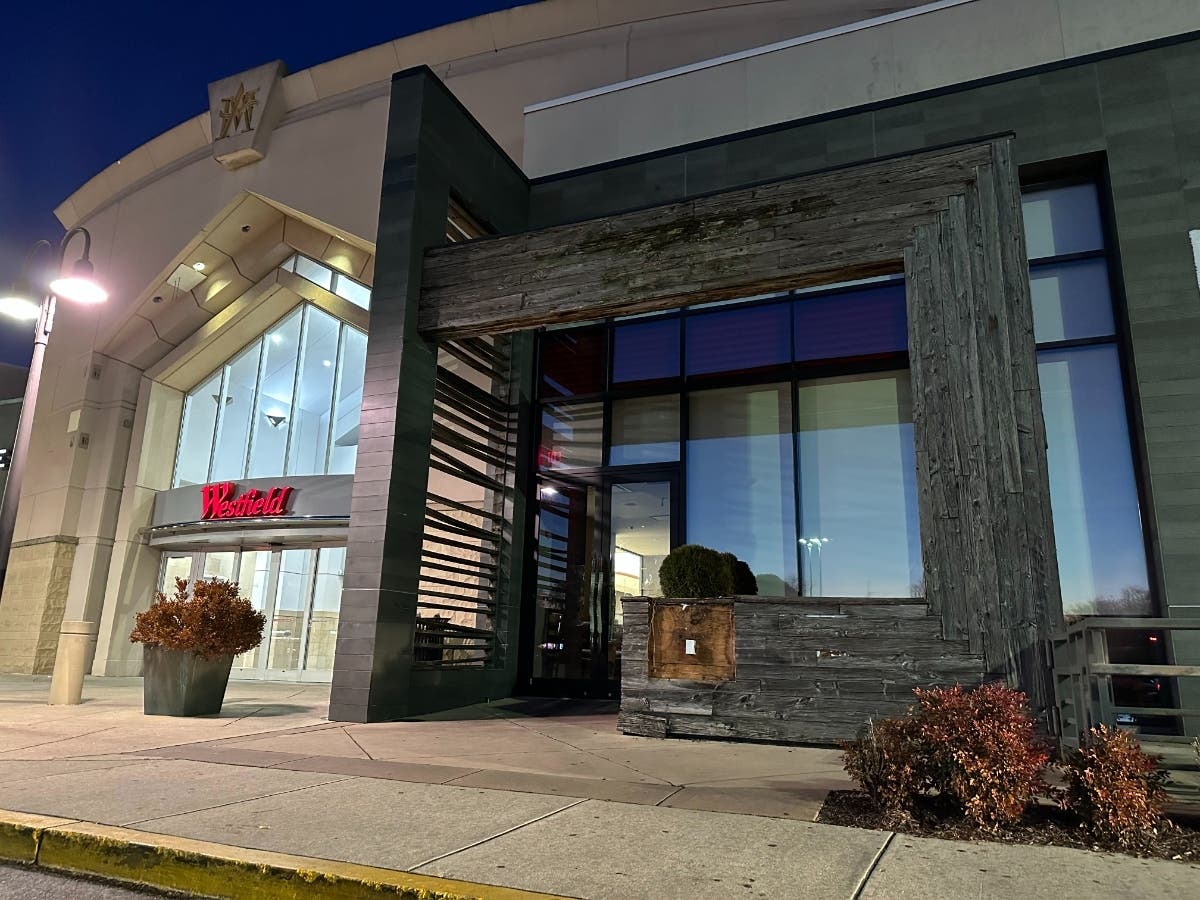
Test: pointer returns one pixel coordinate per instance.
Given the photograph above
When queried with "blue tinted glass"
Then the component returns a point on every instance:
(860, 323)
(644, 430)
(739, 340)
(741, 480)
(1093, 493)
(1062, 220)
(1071, 300)
(646, 351)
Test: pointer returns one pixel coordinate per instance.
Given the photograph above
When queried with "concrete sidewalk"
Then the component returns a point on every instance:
(507, 794)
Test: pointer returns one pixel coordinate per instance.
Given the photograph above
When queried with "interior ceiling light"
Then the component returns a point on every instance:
(198, 266)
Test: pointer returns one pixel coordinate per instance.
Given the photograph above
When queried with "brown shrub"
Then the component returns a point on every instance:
(983, 749)
(887, 762)
(1116, 788)
(213, 621)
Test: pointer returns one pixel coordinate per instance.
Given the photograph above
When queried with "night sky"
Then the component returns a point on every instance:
(83, 84)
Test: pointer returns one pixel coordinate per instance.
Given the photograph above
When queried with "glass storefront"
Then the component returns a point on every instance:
(298, 590)
(780, 429)
(287, 404)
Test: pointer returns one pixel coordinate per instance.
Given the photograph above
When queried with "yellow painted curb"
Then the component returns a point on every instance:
(219, 870)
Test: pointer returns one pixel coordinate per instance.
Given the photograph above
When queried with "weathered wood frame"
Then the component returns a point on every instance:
(950, 219)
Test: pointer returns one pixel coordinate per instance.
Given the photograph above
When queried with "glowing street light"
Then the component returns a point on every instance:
(26, 304)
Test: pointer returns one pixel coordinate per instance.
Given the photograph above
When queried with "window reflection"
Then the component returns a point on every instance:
(1062, 220)
(572, 436)
(1071, 300)
(859, 531)
(645, 430)
(1097, 524)
(646, 352)
(740, 480)
(857, 323)
(574, 362)
(752, 339)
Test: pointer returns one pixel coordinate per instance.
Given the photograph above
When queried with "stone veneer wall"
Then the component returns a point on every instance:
(35, 598)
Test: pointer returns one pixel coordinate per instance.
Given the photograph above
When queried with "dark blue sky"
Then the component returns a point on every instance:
(82, 84)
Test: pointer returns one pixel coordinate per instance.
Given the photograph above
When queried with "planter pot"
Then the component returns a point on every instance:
(180, 683)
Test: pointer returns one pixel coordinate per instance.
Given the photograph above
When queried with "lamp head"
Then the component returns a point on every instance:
(19, 303)
(79, 285)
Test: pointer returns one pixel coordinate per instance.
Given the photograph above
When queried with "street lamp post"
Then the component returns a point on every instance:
(20, 303)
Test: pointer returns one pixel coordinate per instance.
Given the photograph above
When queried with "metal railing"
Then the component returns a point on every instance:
(1083, 677)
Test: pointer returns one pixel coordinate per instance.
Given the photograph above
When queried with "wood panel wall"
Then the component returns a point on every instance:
(951, 220)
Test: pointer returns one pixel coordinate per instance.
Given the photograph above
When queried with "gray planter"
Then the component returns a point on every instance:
(180, 683)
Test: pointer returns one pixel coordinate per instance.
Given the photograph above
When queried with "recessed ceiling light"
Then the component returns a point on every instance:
(326, 363)
(275, 339)
(198, 266)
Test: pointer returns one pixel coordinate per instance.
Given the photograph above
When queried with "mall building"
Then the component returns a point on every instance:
(438, 349)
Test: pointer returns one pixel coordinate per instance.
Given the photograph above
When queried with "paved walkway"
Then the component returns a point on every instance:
(510, 794)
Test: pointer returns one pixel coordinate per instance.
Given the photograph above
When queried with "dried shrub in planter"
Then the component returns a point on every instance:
(887, 762)
(212, 621)
(1116, 788)
(982, 750)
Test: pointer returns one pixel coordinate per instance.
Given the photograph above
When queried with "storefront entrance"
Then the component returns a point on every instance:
(299, 590)
(598, 538)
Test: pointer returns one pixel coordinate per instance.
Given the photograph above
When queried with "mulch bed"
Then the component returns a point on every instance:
(1042, 826)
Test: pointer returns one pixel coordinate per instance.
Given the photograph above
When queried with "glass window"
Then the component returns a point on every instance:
(572, 436)
(220, 565)
(646, 352)
(1062, 220)
(740, 480)
(640, 539)
(291, 601)
(1071, 300)
(327, 601)
(175, 567)
(344, 436)
(573, 362)
(1093, 494)
(254, 570)
(645, 430)
(197, 431)
(234, 415)
(859, 323)
(314, 272)
(349, 289)
(739, 340)
(273, 419)
(859, 528)
(314, 394)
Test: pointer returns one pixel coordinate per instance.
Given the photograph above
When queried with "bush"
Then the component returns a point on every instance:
(887, 762)
(976, 749)
(982, 750)
(692, 571)
(214, 621)
(1116, 788)
(744, 582)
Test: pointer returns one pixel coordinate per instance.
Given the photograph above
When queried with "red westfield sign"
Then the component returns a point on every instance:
(218, 502)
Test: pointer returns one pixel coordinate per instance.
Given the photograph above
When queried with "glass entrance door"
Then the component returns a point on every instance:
(597, 540)
(298, 590)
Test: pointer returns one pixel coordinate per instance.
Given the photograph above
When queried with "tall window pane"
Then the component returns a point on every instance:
(1071, 300)
(859, 530)
(314, 395)
(1097, 526)
(196, 433)
(327, 601)
(291, 601)
(273, 417)
(235, 414)
(740, 487)
(344, 438)
(1062, 220)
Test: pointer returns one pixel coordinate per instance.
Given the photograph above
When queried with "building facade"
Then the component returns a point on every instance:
(898, 308)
